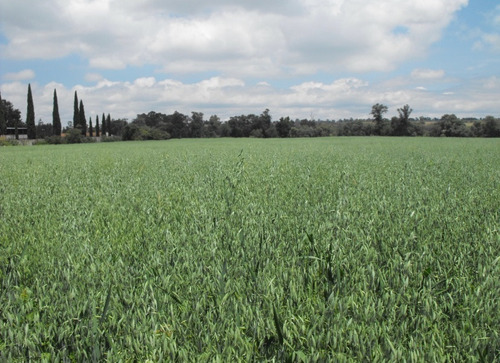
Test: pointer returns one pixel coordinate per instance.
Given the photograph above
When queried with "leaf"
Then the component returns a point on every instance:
(278, 325)
(106, 306)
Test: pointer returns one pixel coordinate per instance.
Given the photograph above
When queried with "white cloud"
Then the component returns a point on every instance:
(20, 76)
(93, 77)
(427, 73)
(256, 37)
(229, 96)
(490, 41)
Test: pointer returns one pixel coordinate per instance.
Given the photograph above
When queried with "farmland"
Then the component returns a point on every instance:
(251, 249)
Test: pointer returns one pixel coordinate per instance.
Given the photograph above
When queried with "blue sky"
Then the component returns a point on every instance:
(327, 59)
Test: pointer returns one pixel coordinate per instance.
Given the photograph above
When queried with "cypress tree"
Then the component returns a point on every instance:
(3, 121)
(104, 130)
(30, 116)
(97, 126)
(76, 113)
(91, 131)
(56, 120)
(108, 124)
(82, 120)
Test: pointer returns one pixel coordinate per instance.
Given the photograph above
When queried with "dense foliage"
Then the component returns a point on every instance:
(159, 126)
(332, 249)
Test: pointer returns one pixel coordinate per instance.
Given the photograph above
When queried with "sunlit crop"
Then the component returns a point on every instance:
(223, 250)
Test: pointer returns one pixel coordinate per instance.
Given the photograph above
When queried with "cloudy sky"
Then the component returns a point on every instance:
(322, 59)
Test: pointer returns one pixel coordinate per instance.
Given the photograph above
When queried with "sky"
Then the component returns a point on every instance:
(314, 59)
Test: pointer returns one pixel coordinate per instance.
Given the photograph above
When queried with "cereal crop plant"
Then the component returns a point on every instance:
(239, 250)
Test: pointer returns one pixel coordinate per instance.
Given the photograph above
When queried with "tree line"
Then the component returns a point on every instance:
(10, 118)
(160, 126)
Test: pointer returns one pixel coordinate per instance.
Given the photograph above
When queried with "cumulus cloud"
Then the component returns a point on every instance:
(229, 96)
(244, 54)
(20, 76)
(257, 37)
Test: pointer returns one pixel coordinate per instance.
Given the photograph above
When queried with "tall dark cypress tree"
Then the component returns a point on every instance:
(104, 129)
(30, 116)
(76, 113)
(56, 120)
(108, 124)
(97, 126)
(91, 130)
(82, 120)
(3, 120)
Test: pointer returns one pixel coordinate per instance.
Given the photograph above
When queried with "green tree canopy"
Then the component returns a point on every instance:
(377, 112)
(401, 125)
(452, 126)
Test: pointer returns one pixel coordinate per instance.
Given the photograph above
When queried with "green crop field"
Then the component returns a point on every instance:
(331, 249)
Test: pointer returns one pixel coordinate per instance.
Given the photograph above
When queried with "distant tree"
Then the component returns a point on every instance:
(43, 130)
(97, 126)
(131, 132)
(56, 120)
(354, 128)
(177, 125)
(452, 126)
(401, 125)
(108, 124)
(104, 128)
(261, 123)
(116, 127)
(283, 127)
(212, 126)
(74, 136)
(82, 121)
(3, 121)
(241, 126)
(196, 125)
(491, 127)
(30, 116)
(76, 113)
(477, 129)
(378, 111)
(91, 130)
(12, 115)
